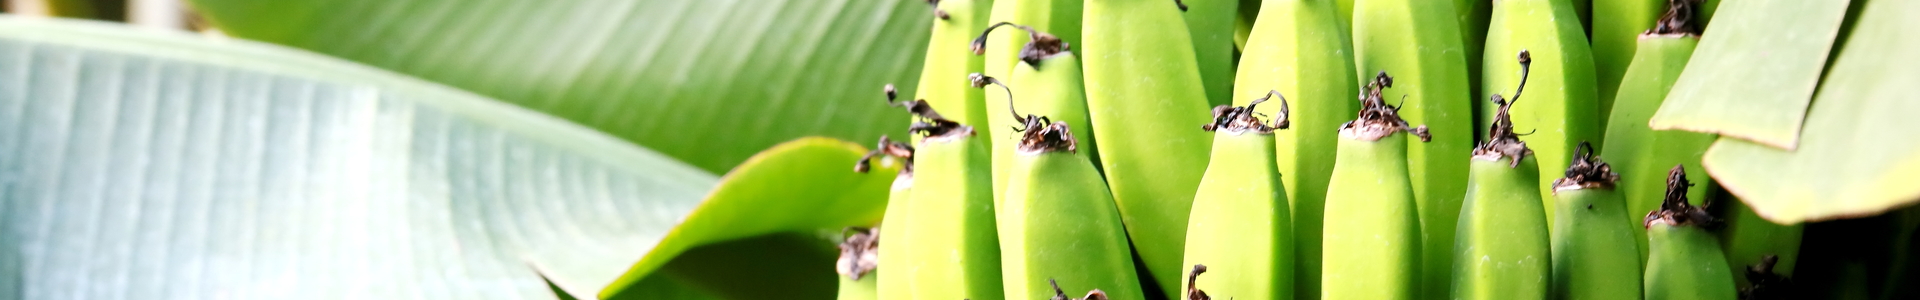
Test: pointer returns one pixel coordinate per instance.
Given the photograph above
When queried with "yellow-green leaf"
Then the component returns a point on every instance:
(1755, 71)
(1860, 154)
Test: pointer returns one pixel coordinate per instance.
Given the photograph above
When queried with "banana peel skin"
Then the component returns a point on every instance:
(1594, 254)
(1372, 234)
(1240, 217)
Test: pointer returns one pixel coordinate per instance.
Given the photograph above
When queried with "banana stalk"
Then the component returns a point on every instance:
(1059, 19)
(1210, 24)
(1144, 96)
(1240, 216)
(1300, 48)
(1617, 25)
(1059, 220)
(1562, 114)
(859, 255)
(1421, 41)
(1372, 246)
(943, 75)
(1054, 92)
(1501, 249)
(1685, 260)
(1594, 256)
(1641, 153)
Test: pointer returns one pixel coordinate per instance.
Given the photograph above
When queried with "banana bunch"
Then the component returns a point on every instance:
(1421, 41)
(947, 222)
(1684, 260)
(1240, 216)
(1144, 93)
(1617, 28)
(1210, 24)
(1372, 234)
(1059, 220)
(1501, 250)
(1300, 48)
(1562, 114)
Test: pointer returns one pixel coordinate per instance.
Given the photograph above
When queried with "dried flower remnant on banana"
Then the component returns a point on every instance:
(1242, 119)
(1675, 211)
(1767, 285)
(859, 252)
(1058, 294)
(1040, 45)
(1038, 133)
(1502, 141)
(1377, 118)
(931, 124)
(1678, 20)
(1194, 292)
(888, 147)
(1587, 171)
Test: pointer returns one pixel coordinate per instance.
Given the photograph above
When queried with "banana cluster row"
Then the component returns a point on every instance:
(1101, 173)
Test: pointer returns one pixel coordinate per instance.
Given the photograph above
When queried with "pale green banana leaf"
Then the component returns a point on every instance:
(151, 165)
(709, 82)
(1860, 154)
(1755, 71)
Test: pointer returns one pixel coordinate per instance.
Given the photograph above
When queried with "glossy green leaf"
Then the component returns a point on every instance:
(1859, 155)
(1755, 71)
(709, 82)
(806, 185)
(140, 164)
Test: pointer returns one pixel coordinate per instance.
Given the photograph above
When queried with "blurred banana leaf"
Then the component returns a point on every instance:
(1755, 71)
(709, 82)
(154, 165)
(1859, 154)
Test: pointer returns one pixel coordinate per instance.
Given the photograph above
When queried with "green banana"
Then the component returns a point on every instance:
(1059, 220)
(1243, 19)
(1143, 96)
(954, 252)
(1055, 18)
(1240, 216)
(859, 255)
(1617, 25)
(1300, 48)
(941, 76)
(1749, 240)
(1372, 246)
(1685, 261)
(1641, 152)
(1473, 16)
(1421, 41)
(1500, 249)
(1594, 256)
(1562, 115)
(1210, 24)
(1054, 92)
(896, 213)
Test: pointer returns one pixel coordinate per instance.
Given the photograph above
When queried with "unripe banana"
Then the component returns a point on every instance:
(1059, 220)
(1059, 19)
(1050, 75)
(859, 254)
(1561, 114)
(1617, 25)
(955, 252)
(1473, 16)
(1594, 255)
(1210, 24)
(895, 217)
(1642, 153)
(1421, 41)
(1144, 97)
(1372, 246)
(1501, 249)
(1685, 261)
(1240, 217)
(1749, 240)
(1300, 48)
(943, 75)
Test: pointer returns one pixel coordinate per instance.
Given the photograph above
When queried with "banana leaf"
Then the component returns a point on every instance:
(1755, 71)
